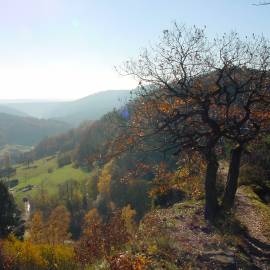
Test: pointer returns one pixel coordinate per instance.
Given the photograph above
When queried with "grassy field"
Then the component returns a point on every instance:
(44, 172)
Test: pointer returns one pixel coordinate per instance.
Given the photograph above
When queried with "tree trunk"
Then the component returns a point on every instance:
(211, 201)
(232, 179)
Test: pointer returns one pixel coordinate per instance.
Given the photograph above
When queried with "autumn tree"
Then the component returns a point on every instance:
(57, 226)
(90, 219)
(248, 112)
(115, 233)
(91, 245)
(104, 180)
(37, 228)
(101, 238)
(194, 93)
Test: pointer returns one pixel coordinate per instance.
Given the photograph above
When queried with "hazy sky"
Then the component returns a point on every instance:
(66, 49)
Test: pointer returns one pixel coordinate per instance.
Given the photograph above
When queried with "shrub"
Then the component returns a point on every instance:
(59, 257)
(24, 255)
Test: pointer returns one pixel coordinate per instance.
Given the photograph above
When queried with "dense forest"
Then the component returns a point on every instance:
(177, 178)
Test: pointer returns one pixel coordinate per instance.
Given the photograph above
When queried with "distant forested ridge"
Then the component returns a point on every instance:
(12, 111)
(88, 108)
(27, 130)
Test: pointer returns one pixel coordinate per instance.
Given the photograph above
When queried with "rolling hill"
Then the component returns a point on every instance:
(91, 107)
(37, 109)
(88, 108)
(27, 130)
(10, 110)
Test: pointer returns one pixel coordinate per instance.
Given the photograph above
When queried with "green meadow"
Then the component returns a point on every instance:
(46, 173)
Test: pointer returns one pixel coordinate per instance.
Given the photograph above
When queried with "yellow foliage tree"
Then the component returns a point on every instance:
(90, 219)
(25, 255)
(105, 178)
(59, 257)
(189, 177)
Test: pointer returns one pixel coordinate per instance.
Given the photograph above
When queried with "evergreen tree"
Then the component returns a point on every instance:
(10, 219)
